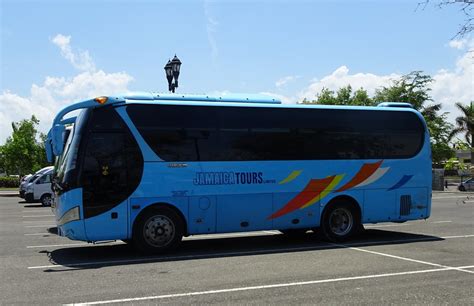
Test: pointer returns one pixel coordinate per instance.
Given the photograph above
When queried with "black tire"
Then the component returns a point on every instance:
(294, 232)
(340, 221)
(46, 199)
(158, 230)
(462, 188)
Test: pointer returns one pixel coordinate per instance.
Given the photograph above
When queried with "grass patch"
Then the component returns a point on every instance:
(8, 189)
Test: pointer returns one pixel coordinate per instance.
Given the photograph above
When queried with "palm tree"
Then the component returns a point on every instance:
(465, 124)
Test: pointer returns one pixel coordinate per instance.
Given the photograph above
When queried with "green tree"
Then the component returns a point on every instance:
(361, 97)
(22, 153)
(465, 125)
(344, 96)
(414, 88)
(326, 97)
(454, 164)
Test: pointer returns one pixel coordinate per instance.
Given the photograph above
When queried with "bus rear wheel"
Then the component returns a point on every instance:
(340, 221)
(158, 230)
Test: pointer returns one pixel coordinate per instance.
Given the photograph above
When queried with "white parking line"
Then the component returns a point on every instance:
(241, 253)
(36, 210)
(271, 286)
(458, 236)
(384, 225)
(230, 235)
(38, 234)
(451, 197)
(43, 225)
(55, 245)
(38, 221)
(37, 216)
(403, 258)
(405, 224)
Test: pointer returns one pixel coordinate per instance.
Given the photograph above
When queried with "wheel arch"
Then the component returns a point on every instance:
(45, 194)
(343, 199)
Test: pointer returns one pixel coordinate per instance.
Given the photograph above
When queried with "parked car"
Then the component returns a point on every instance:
(40, 189)
(467, 185)
(24, 181)
(30, 178)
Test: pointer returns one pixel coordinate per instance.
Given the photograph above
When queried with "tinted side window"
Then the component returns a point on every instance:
(188, 133)
(112, 163)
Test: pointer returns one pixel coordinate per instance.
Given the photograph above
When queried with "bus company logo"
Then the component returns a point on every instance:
(230, 178)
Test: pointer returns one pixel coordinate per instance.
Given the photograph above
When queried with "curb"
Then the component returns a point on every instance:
(9, 194)
(452, 192)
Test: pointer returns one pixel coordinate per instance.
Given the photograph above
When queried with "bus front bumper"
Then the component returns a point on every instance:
(69, 215)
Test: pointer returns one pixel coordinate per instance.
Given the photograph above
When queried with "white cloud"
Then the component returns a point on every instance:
(284, 99)
(81, 60)
(449, 85)
(46, 99)
(341, 77)
(458, 43)
(456, 85)
(285, 80)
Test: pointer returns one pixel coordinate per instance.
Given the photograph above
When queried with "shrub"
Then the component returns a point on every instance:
(9, 182)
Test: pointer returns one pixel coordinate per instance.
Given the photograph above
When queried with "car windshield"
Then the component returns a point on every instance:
(33, 178)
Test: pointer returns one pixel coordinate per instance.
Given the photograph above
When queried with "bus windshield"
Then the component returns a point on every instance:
(65, 175)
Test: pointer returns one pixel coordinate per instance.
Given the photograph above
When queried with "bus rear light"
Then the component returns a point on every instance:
(101, 100)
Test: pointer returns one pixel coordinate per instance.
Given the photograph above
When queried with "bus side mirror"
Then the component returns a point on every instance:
(49, 149)
(57, 138)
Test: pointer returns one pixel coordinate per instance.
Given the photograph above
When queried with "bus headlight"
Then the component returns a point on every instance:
(70, 215)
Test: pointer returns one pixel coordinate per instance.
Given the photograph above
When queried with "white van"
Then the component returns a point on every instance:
(30, 178)
(40, 189)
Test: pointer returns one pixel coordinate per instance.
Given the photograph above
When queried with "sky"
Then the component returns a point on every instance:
(54, 53)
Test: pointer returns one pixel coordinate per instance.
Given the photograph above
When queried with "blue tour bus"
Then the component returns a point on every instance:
(151, 168)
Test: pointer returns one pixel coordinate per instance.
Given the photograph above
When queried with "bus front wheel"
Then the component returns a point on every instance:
(158, 230)
(340, 221)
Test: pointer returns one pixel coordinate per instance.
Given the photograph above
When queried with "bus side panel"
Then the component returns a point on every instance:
(379, 205)
(202, 215)
(137, 205)
(301, 218)
(413, 203)
(244, 212)
(109, 225)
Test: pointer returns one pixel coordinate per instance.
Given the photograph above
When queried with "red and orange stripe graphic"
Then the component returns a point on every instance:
(317, 189)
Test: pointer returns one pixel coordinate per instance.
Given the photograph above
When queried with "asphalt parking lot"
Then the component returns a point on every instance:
(420, 262)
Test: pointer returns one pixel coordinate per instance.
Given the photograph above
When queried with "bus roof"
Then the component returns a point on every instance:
(225, 97)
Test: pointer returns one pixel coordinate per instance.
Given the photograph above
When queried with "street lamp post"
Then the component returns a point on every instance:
(172, 71)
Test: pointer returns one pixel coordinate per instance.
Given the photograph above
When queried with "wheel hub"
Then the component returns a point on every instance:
(341, 221)
(159, 231)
